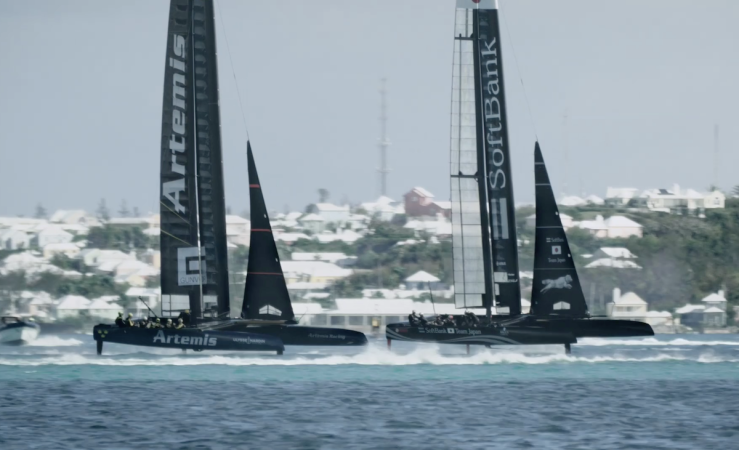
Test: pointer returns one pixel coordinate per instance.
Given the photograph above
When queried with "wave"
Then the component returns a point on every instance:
(652, 342)
(54, 341)
(370, 357)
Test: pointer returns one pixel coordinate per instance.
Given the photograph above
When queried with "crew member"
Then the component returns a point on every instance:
(155, 324)
(422, 320)
(412, 319)
(129, 321)
(119, 320)
(180, 324)
(169, 324)
(144, 323)
(185, 317)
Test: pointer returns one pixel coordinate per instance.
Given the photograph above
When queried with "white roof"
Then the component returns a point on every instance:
(130, 221)
(714, 298)
(327, 256)
(689, 309)
(423, 192)
(594, 199)
(614, 263)
(291, 237)
(325, 207)
(423, 277)
(305, 286)
(314, 268)
(102, 304)
(621, 221)
(311, 218)
(233, 219)
(629, 298)
(306, 308)
(625, 193)
(62, 246)
(618, 252)
(571, 200)
(347, 236)
(142, 291)
(658, 314)
(73, 302)
(713, 309)
(54, 231)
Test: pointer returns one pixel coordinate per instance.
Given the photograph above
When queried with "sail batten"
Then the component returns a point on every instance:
(556, 288)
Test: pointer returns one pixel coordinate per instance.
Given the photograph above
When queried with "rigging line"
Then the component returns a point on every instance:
(520, 74)
(233, 70)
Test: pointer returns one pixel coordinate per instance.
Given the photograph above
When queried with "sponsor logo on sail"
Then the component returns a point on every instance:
(196, 341)
(173, 189)
(556, 249)
(250, 340)
(270, 310)
(562, 282)
(191, 266)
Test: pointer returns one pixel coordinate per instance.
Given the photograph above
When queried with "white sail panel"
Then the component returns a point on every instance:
(469, 274)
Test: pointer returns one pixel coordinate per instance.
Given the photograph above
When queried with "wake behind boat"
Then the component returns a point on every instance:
(15, 331)
(267, 308)
(485, 253)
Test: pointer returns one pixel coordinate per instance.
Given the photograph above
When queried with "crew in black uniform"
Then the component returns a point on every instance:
(119, 320)
(185, 317)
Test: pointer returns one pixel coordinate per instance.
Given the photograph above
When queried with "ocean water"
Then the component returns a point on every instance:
(666, 392)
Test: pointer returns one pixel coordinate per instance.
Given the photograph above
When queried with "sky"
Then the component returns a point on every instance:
(641, 84)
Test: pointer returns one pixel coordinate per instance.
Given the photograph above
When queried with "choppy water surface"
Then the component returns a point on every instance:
(668, 392)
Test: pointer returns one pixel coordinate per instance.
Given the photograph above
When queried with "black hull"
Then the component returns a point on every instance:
(300, 335)
(597, 327)
(186, 339)
(487, 336)
(521, 330)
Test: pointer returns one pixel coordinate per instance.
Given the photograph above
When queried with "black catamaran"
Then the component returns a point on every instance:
(194, 270)
(267, 308)
(485, 251)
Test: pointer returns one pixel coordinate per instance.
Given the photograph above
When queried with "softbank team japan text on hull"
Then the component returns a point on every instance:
(186, 339)
(487, 336)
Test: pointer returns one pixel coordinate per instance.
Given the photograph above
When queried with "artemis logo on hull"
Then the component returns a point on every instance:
(173, 189)
(204, 341)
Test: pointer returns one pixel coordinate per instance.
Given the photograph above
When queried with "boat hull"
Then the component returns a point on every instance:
(521, 330)
(187, 339)
(487, 336)
(301, 335)
(19, 333)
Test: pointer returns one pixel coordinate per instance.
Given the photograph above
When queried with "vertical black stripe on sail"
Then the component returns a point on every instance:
(180, 274)
(494, 125)
(265, 294)
(556, 288)
(211, 198)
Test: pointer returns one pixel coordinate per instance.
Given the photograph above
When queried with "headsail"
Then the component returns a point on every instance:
(265, 294)
(556, 287)
(193, 232)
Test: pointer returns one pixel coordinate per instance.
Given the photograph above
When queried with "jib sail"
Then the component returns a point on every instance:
(265, 294)
(193, 235)
(556, 288)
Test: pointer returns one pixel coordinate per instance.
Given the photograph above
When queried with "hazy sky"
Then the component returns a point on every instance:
(642, 83)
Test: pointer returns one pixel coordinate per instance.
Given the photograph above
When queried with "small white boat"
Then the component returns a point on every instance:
(14, 331)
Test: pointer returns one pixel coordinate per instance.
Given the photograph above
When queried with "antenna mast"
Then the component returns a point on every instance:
(383, 170)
